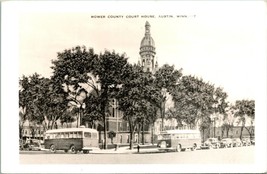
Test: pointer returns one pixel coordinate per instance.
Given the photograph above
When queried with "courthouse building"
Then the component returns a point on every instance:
(118, 127)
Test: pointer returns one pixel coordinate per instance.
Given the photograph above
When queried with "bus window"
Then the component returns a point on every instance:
(66, 135)
(62, 135)
(47, 136)
(74, 134)
(166, 136)
(71, 134)
(57, 135)
(79, 134)
(87, 134)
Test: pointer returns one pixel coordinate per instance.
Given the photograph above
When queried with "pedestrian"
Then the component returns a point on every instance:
(138, 148)
(116, 147)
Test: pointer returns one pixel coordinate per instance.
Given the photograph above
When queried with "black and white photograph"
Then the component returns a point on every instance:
(138, 87)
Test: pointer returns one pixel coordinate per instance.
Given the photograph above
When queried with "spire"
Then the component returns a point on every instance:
(147, 33)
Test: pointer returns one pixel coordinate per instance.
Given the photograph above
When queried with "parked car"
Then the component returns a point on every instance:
(211, 143)
(237, 142)
(32, 144)
(246, 141)
(226, 142)
(252, 140)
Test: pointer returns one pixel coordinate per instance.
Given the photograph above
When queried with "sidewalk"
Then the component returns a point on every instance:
(125, 150)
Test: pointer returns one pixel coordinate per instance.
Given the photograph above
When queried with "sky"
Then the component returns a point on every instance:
(223, 42)
(219, 42)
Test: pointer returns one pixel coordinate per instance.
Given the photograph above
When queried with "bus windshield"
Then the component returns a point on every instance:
(164, 136)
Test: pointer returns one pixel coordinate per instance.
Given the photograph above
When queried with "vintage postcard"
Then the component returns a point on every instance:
(151, 87)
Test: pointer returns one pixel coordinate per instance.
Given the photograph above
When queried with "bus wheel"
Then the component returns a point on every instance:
(53, 148)
(178, 148)
(73, 149)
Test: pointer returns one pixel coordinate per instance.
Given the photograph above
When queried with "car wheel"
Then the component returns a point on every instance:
(179, 148)
(53, 148)
(66, 150)
(73, 149)
(85, 151)
(194, 147)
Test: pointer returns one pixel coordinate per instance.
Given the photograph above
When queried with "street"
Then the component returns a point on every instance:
(238, 155)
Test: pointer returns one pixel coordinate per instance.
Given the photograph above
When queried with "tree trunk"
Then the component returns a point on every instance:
(131, 134)
(152, 133)
(162, 118)
(52, 125)
(249, 131)
(138, 140)
(143, 133)
(105, 132)
(241, 132)
(222, 132)
(203, 133)
(103, 111)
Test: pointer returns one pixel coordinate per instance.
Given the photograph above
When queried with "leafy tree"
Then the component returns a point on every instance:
(228, 120)
(31, 99)
(132, 99)
(24, 102)
(204, 125)
(219, 106)
(110, 69)
(193, 100)
(72, 72)
(67, 118)
(165, 79)
(99, 75)
(39, 101)
(92, 112)
(245, 109)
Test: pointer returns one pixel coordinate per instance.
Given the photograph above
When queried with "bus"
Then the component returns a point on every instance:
(71, 139)
(179, 140)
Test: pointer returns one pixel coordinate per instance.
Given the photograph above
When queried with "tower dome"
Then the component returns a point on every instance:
(147, 39)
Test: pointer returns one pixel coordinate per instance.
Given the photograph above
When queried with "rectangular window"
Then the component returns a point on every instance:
(79, 134)
(47, 136)
(57, 135)
(87, 135)
(52, 136)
